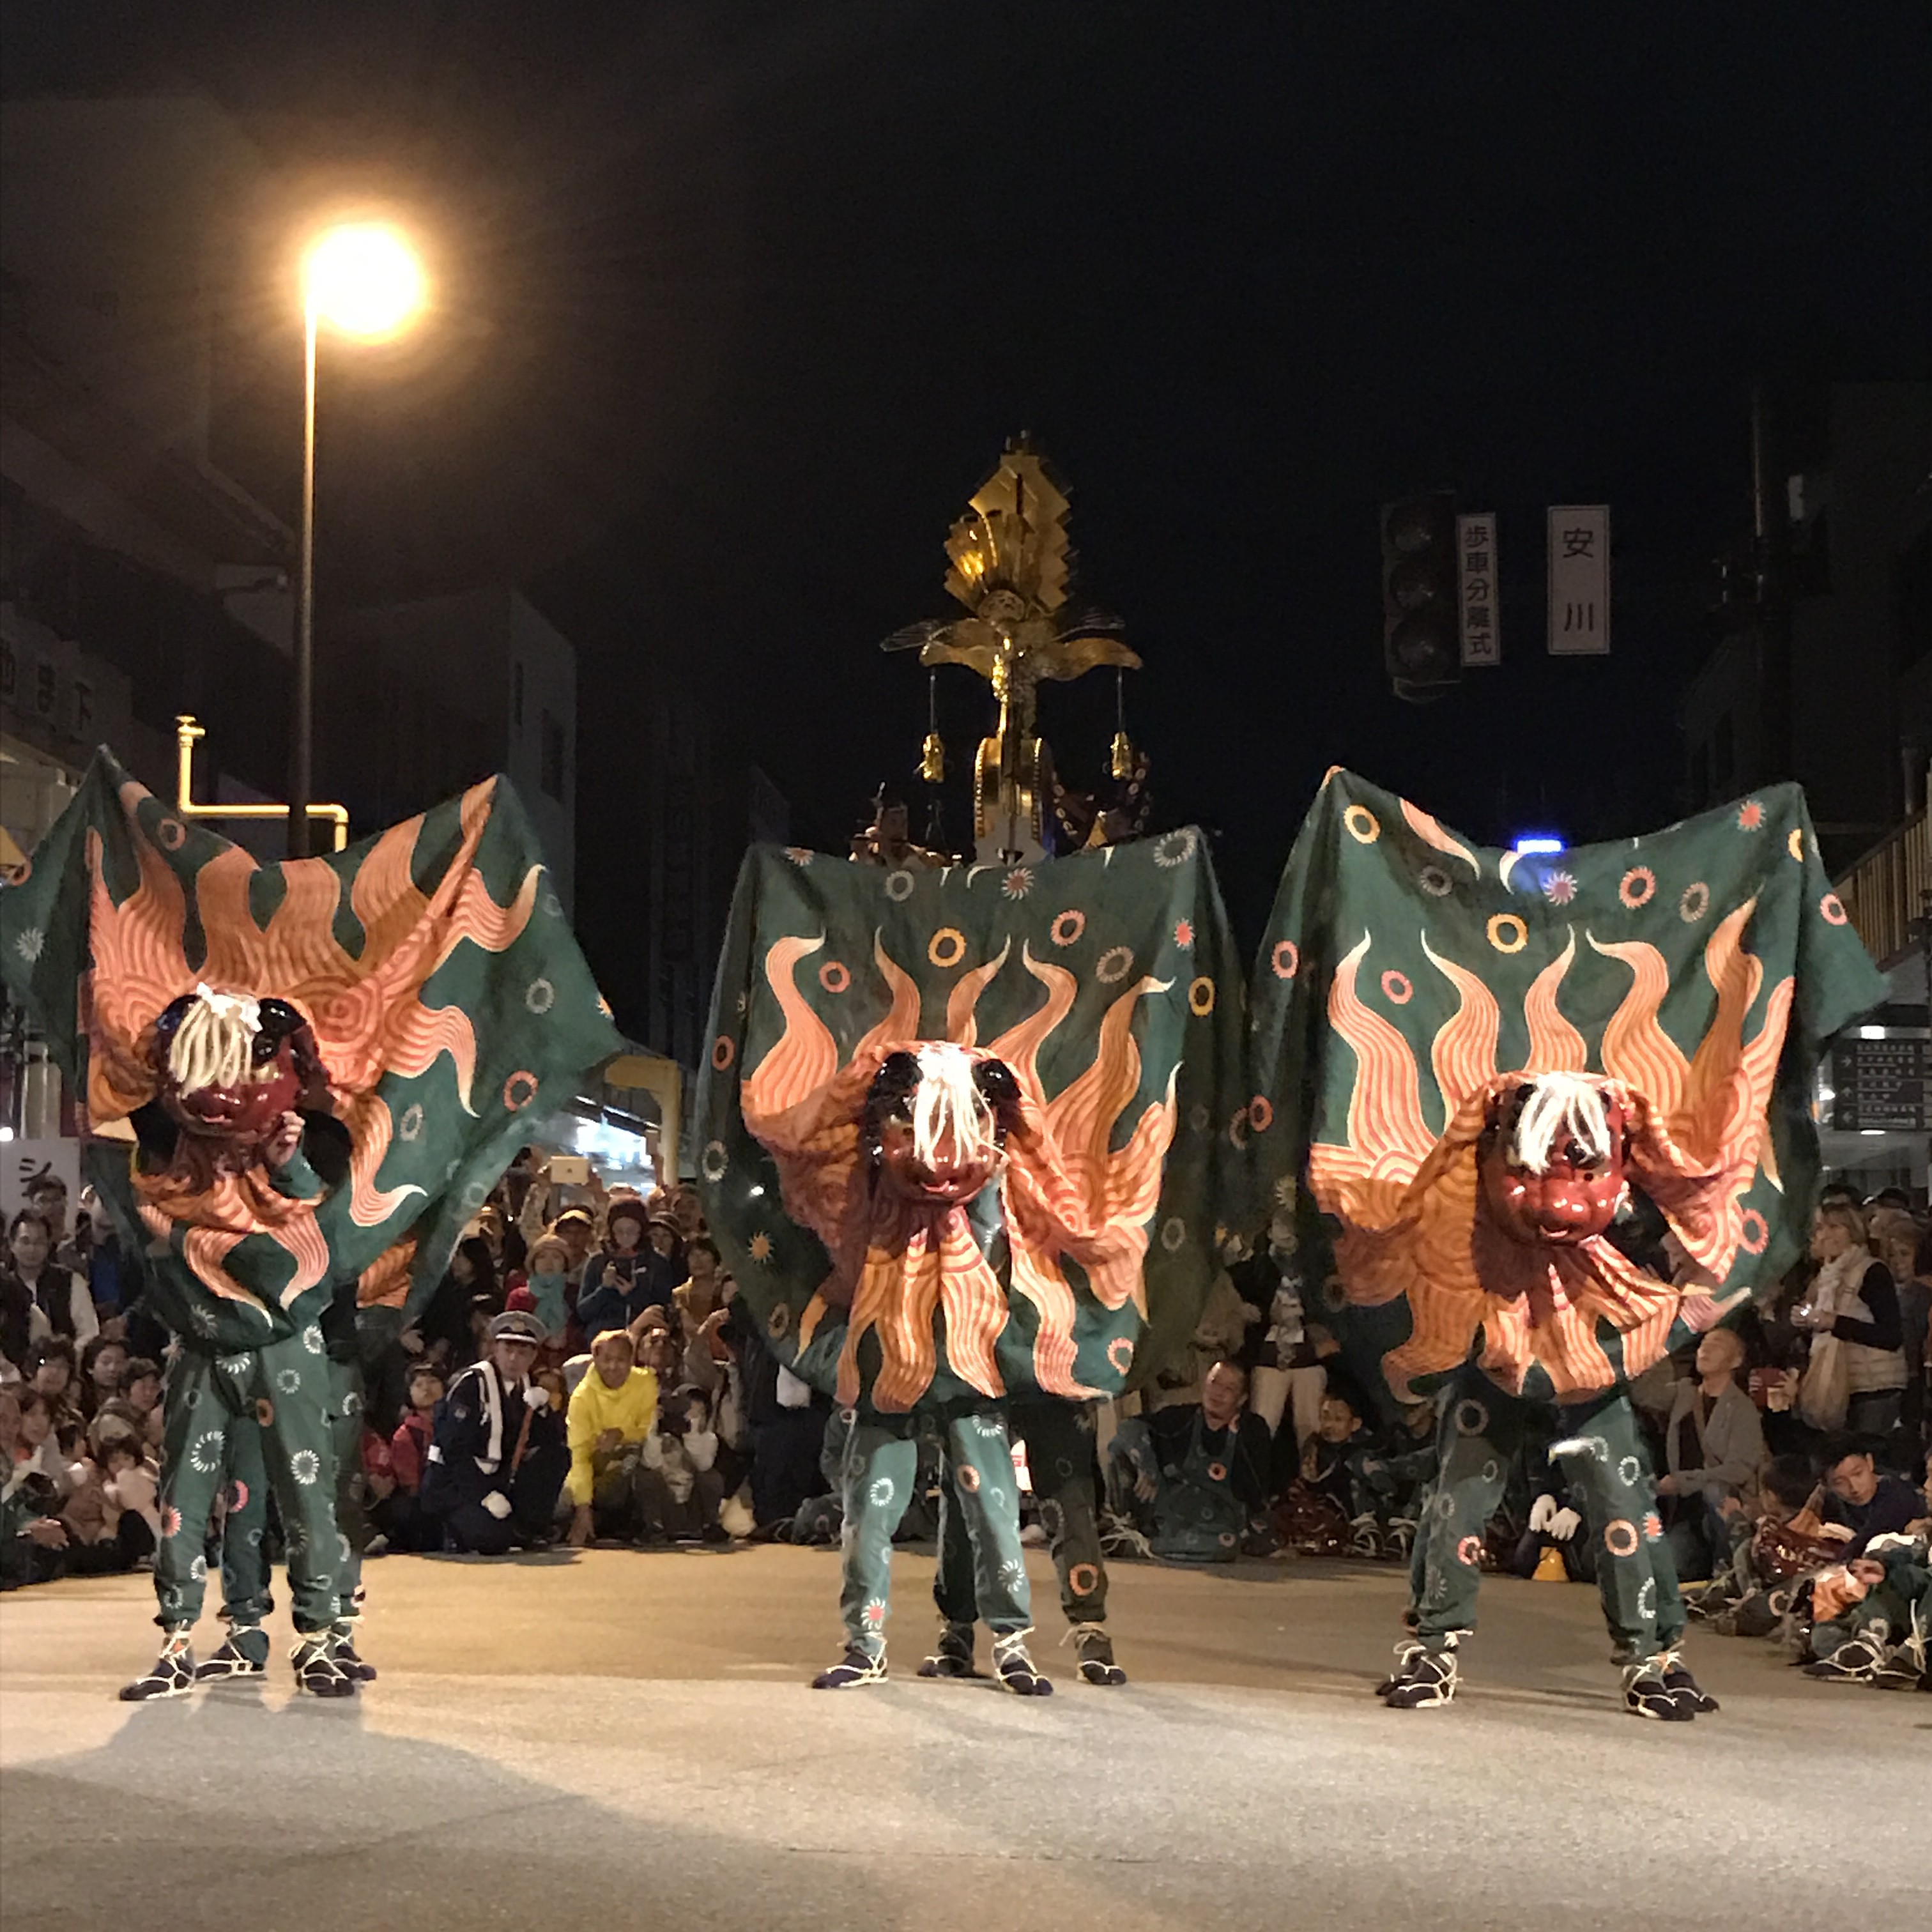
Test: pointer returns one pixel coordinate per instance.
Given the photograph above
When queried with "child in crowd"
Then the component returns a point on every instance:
(681, 1488)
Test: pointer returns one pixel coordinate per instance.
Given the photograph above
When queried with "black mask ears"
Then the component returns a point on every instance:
(1000, 1090)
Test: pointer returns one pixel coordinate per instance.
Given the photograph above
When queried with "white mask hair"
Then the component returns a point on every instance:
(947, 1103)
(215, 1044)
(1560, 1107)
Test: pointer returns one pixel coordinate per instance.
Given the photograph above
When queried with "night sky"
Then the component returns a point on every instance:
(739, 302)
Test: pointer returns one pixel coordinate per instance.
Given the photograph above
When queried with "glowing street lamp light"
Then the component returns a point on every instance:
(365, 280)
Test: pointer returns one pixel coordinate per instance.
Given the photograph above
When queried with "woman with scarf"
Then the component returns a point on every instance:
(1854, 1304)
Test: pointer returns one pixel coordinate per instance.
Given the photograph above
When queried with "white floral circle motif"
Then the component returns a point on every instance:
(204, 1321)
(411, 1124)
(553, 905)
(198, 1569)
(898, 886)
(714, 1161)
(235, 1365)
(1199, 1117)
(1471, 1418)
(312, 1339)
(1646, 1598)
(1628, 1471)
(294, 1540)
(1173, 1233)
(305, 1466)
(351, 1402)
(881, 1492)
(1012, 1569)
(1113, 965)
(288, 1381)
(996, 1499)
(343, 1549)
(798, 855)
(1176, 849)
(1491, 1471)
(205, 1454)
(29, 944)
(476, 1194)
(539, 996)
(192, 1399)
(1435, 882)
(1018, 882)
(1444, 1504)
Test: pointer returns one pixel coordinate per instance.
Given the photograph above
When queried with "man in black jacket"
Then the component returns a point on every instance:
(498, 1458)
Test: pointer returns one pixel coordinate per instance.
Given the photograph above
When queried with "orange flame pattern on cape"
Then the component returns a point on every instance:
(366, 1011)
(1408, 1200)
(1067, 1197)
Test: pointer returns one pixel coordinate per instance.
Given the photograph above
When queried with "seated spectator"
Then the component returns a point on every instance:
(141, 1391)
(56, 1372)
(1387, 1479)
(680, 1488)
(102, 1362)
(1859, 1498)
(497, 1459)
(398, 1515)
(548, 1279)
(60, 1304)
(702, 1298)
(622, 1280)
(37, 1450)
(33, 1541)
(1854, 1299)
(611, 1413)
(1713, 1447)
(112, 1519)
(1195, 1479)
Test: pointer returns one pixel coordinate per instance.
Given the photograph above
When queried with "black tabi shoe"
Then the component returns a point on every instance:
(317, 1671)
(1646, 1695)
(953, 1656)
(855, 1668)
(342, 1648)
(172, 1676)
(1095, 1649)
(244, 1653)
(1678, 1682)
(1018, 1671)
(1428, 1683)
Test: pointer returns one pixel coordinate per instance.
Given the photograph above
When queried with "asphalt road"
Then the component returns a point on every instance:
(625, 1740)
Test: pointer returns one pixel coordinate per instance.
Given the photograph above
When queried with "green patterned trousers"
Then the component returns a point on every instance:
(1600, 1447)
(1059, 1439)
(280, 1394)
(246, 1600)
(876, 1477)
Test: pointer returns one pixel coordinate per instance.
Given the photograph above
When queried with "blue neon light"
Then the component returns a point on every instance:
(1539, 844)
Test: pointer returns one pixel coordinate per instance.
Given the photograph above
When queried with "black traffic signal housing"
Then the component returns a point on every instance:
(1421, 638)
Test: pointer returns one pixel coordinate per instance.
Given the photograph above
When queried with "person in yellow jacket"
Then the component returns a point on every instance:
(610, 1422)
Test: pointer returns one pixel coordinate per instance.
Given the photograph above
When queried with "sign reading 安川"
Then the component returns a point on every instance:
(1478, 595)
(1579, 580)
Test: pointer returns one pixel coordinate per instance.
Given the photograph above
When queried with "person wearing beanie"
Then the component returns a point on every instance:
(548, 1283)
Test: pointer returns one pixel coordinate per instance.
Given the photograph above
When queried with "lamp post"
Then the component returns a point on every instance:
(364, 280)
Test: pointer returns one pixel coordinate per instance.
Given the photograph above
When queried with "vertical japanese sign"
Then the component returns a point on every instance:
(1579, 580)
(1478, 596)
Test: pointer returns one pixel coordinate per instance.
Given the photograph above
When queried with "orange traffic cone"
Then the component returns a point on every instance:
(1549, 1567)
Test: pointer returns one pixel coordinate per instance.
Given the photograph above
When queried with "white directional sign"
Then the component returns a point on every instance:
(1579, 580)
(1478, 595)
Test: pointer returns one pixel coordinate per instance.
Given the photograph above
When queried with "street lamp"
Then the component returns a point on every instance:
(364, 280)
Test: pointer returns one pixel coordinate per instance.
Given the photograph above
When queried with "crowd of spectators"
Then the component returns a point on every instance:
(582, 1376)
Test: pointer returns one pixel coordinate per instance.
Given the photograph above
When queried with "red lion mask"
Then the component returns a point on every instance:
(1552, 1158)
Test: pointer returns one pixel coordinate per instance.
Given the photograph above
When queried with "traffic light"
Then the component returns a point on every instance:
(1421, 643)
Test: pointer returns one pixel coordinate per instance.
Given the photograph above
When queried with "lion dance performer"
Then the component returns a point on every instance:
(971, 1221)
(1478, 1057)
(325, 1063)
